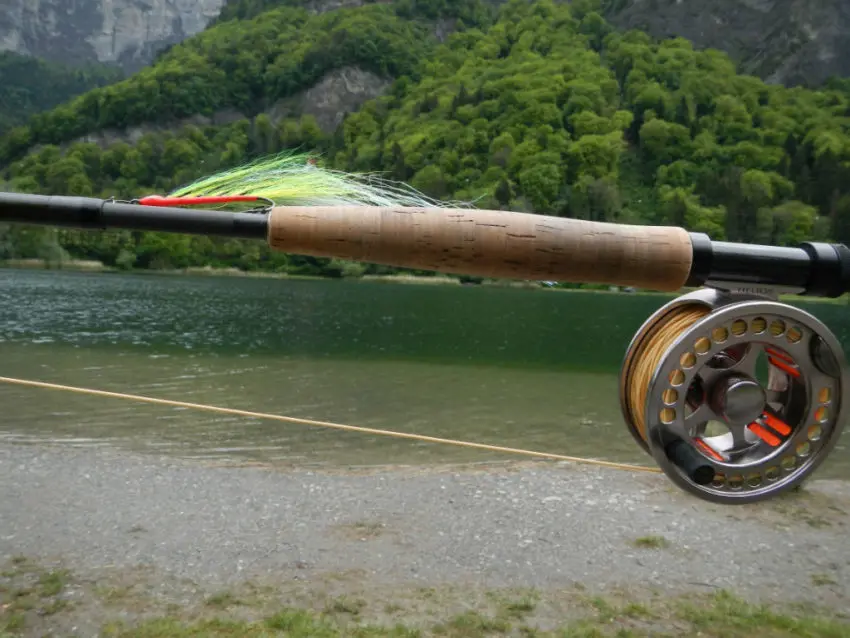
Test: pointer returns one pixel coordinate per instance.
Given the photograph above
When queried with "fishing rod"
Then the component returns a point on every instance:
(737, 396)
(474, 242)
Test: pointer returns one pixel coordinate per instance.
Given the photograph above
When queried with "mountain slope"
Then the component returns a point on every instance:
(542, 104)
(246, 66)
(550, 110)
(127, 33)
(782, 41)
(342, 89)
(31, 85)
(786, 42)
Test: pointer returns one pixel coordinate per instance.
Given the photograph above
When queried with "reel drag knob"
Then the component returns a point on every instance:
(738, 400)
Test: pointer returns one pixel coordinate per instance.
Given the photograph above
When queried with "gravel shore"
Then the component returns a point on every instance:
(539, 525)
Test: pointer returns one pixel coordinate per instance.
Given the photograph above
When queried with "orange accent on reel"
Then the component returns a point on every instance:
(764, 435)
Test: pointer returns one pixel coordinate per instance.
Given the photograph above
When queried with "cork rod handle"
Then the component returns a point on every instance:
(488, 243)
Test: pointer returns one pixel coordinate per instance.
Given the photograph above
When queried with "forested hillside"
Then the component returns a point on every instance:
(546, 110)
(30, 85)
(244, 65)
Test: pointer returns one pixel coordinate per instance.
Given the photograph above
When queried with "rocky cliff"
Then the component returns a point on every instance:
(783, 41)
(124, 32)
(787, 42)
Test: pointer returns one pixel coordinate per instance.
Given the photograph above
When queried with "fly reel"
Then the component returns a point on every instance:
(737, 397)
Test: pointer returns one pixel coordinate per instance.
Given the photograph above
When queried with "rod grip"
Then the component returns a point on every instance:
(488, 243)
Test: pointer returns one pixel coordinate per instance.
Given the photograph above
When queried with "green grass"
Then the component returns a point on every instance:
(28, 590)
(35, 601)
(651, 542)
(722, 615)
(821, 580)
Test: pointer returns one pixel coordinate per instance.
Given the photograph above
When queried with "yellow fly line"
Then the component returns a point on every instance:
(326, 424)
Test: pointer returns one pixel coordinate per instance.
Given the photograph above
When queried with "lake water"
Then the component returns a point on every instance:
(527, 368)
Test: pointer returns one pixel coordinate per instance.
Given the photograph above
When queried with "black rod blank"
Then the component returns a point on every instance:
(91, 213)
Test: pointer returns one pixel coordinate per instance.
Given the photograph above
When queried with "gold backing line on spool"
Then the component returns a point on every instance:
(648, 357)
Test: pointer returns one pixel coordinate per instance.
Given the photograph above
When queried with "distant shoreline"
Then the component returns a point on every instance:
(92, 266)
(74, 265)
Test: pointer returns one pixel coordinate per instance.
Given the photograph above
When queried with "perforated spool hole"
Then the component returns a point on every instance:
(794, 335)
(667, 416)
(821, 415)
(720, 335)
(736, 482)
(702, 345)
(758, 325)
(814, 433)
(804, 449)
(824, 395)
(777, 327)
(772, 473)
(677, 378)
(669, 396)
(688, 360)
(739, 327)
(754, 479)
(719, 480)
(789, 463)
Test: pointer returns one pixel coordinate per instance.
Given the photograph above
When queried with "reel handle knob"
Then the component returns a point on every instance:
(686, 458)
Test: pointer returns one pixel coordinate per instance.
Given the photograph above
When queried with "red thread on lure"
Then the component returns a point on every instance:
(158, 200)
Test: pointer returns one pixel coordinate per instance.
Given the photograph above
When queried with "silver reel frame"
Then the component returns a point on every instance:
(742, 466)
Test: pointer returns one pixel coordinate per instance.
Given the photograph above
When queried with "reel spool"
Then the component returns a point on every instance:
(738, 398)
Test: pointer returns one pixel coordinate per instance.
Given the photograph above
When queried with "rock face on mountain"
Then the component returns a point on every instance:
(782, 41)
(791, 42)
(340, 92)
(124, 32)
